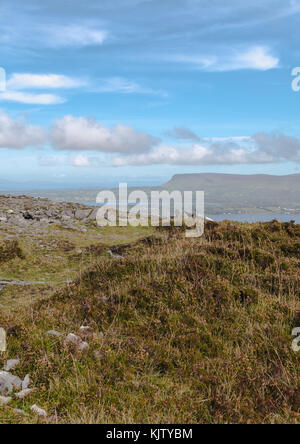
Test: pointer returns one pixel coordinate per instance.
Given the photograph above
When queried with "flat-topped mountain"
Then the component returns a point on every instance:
(218, 179)
(240, 191)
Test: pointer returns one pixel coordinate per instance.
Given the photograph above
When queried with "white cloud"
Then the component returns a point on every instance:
(18, 134)
(75, 35)
(80, 133)
(258, 57)
(41, 81)
(255, 57)
(182, 133)
(195, 155)
(31, 99)
(227, 139)
(79, 160)
(165, 154)
(260, 148)
(124, 86)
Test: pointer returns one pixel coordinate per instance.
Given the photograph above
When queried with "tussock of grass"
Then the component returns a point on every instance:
(10, 250)
(186, 330)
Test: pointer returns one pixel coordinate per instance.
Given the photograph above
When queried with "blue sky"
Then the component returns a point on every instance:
(138, 90)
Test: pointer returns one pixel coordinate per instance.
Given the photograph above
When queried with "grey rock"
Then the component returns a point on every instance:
(54, 333)
(23, 393)
(4, 400)
(26, 382)
(82, 214)
(9, 382)
(38, 411)
(115, 256)
(20, 412)
(72, 339)
(76, 342)
(11, 364)
(23, 212)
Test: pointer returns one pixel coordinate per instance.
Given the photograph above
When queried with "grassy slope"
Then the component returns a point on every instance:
(185, 331)
(55, 257)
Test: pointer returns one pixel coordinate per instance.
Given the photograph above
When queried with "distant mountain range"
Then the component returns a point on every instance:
(224, 193)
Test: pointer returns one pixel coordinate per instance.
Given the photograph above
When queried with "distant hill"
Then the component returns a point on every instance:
(238, 191)
(224, 193)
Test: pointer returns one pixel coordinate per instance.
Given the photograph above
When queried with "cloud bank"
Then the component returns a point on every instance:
(129, 147)
(260, 148)
(18, 134)
(83, 134)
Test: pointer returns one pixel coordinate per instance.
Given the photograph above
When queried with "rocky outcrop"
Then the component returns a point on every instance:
(24, 211)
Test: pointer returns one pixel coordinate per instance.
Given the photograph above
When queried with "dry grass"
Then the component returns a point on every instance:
(186, 331)
(55, 256)
(10, 250)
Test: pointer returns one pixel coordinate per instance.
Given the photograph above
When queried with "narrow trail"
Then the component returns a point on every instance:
(4, 283)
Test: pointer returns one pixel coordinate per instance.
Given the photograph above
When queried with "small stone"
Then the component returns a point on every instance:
(11, 364)
(26, 382)
(76, 342)
(115, 256)
(20, 412)
(9, 382)
(23, 393)
(85, 332)
(83, 346)
(87, 328)
(4, 400)
(54, 333)
(72, 339)
(2, 340)
(38, 411)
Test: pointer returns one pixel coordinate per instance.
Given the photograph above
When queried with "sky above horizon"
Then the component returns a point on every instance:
(138, 90)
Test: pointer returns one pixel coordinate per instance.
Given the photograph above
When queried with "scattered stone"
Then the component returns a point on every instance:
(85, 332)
(9, 382)
(54, 333)
(26, 382)
(20, 412)
(4, 400)
(2, 340)
(76, 342)
(83, 346)
(115, 256)
(23, 393)
(72, 339)
(11, 364)
(38, 411)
